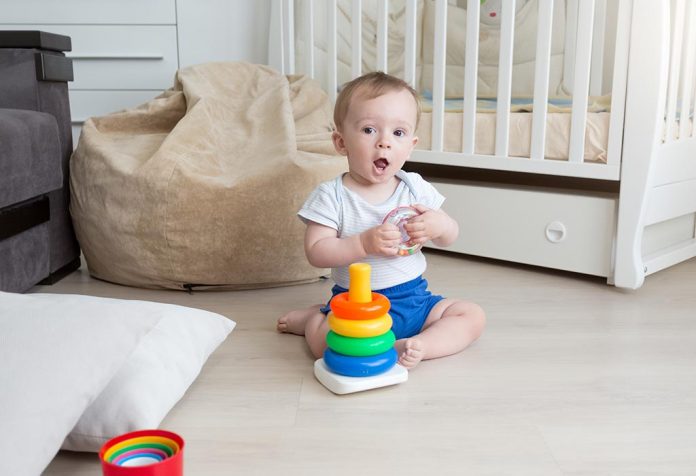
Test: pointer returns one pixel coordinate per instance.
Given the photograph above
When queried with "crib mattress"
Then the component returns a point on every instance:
(557, 134)
(557, 126)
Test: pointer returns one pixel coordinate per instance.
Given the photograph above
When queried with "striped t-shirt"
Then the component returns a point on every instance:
(333, 205)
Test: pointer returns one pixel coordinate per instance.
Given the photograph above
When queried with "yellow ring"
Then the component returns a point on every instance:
(360, 328)
(142, 439)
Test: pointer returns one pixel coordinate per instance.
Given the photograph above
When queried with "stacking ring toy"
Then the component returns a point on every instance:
(360, 328)
(399, 216)
(143, 453)
(360, 366)
(360, 353)
(360, 346)
(343, 307)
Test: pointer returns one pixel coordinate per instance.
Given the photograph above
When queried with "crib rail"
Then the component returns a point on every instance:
(585, 30)
(587, 35)
(673, 174)
(678, 163)
(680, 87)
(660, 183)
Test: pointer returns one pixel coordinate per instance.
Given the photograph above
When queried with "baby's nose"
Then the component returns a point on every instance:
(384, 144)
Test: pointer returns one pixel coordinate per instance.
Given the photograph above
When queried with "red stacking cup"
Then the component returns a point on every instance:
(171, 466)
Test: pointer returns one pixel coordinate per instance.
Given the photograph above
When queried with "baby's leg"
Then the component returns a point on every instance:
(315, 333)
(450, 327)
(309, 322)
(294, 322)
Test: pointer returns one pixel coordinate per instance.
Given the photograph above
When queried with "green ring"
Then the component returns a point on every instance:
(159, 446)
(360, 346)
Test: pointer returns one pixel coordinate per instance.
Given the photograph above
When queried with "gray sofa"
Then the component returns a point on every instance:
(37, 242)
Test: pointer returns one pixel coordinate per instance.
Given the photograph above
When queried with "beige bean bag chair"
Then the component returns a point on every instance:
(201, 185)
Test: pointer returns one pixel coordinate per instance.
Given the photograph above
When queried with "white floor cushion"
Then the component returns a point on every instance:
(61, 353)
(156, 375)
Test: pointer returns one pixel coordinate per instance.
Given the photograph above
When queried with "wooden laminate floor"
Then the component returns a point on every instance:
(571, 377)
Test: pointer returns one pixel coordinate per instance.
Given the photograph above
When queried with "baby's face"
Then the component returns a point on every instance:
(378, 136)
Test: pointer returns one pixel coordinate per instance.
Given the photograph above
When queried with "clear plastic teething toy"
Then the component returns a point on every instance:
(399, 216)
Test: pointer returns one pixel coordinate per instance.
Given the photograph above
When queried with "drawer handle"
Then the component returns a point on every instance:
(555, 232)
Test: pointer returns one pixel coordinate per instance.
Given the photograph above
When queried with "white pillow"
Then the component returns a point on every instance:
(153, 379)
(57, 353)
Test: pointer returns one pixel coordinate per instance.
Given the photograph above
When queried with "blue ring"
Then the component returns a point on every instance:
(351, 366)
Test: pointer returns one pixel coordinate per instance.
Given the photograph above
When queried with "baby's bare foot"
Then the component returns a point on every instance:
(410, 351)
(294, 321)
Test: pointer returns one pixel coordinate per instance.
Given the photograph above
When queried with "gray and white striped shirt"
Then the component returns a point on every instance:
(333, 205)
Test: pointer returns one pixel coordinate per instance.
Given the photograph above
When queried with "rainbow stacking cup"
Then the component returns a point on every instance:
(143, 453)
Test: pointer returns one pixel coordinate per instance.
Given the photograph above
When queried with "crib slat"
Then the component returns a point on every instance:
(502, 120)
(618, 83)
(356, 31)
(581, 81)
(688, 71)
(541, 79)
(693, 108)
(289, 40)
(382, 30)
(332, 77)
(471, 76)
(597, 68)
(439, 45)
(674, 66)
(281, 29)
(410, 43)
(571, 29)
(309, 26)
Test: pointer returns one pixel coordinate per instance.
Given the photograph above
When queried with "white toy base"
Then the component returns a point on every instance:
(340, 384)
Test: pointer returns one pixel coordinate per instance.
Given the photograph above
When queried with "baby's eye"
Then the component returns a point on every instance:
(369, 130)
(399, 133)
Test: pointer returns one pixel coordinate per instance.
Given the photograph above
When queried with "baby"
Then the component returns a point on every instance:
(376, 116)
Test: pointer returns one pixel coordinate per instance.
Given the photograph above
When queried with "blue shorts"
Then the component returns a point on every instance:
(411, 302)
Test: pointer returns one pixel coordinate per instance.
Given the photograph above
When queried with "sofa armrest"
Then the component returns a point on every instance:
(33, 76)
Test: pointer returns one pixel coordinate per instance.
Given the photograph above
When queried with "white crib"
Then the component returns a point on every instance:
(622, 209)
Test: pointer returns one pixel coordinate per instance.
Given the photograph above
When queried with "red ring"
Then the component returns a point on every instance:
(342, 307)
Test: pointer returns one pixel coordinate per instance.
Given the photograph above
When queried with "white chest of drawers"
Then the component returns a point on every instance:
(126, 52)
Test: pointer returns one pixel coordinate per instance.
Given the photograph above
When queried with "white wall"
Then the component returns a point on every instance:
(222, 30)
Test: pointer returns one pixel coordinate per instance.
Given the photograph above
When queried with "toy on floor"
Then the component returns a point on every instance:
(399, 216)
(143, 453)
(360, 354)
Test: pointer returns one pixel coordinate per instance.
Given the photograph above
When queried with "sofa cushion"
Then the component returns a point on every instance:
(31, 157)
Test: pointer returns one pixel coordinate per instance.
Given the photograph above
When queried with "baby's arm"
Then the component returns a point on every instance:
(324, 249)
(435, 225)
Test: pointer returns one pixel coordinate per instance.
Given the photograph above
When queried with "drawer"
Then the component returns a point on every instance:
(85, 104)
(564, 231)
(117, 56)
(89, 11)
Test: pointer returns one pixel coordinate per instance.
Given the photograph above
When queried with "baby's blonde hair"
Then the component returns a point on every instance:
(370, 86)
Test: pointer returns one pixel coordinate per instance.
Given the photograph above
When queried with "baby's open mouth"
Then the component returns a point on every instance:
(381, 163)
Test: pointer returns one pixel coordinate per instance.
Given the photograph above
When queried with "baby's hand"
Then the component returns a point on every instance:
(429, 225)
(381, 240)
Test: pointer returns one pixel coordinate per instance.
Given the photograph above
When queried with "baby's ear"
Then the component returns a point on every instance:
(339, 143)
